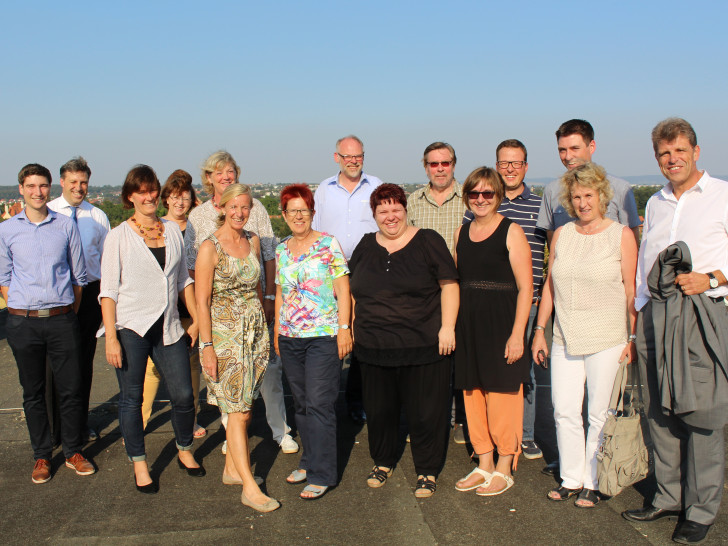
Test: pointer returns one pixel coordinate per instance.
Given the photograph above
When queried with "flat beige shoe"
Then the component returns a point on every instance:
(268, 506)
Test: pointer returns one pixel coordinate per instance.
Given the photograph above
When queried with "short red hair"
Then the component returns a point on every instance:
(387, 193)
(296, 190)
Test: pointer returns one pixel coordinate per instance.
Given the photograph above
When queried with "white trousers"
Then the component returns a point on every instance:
(569, 373)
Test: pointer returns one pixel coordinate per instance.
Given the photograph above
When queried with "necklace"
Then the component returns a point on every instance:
(148, 232)
(590, 231)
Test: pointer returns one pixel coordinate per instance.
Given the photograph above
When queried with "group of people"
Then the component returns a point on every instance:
(439, 301)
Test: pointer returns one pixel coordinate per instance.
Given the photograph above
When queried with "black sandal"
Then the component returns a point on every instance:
(564, 493)
(588, 495)
(425, 487)
(378, 476)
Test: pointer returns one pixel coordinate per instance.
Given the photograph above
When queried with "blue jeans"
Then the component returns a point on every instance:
(173, 362)
(529, 389)
(313, 368)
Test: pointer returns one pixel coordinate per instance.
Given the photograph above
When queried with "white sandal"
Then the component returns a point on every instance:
(509, 483)
(477, 470)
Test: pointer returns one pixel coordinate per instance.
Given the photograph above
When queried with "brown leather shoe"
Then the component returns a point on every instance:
(41, 471)
(80, 464)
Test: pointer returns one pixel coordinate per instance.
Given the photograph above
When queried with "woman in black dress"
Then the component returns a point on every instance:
(496, 286)
(405, 291)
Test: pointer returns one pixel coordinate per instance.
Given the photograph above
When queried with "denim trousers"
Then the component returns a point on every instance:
(57, 338)
(173, 362)
(529, 389)
(313, 367)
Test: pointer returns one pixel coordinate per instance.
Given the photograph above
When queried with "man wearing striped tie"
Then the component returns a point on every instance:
(93, 226)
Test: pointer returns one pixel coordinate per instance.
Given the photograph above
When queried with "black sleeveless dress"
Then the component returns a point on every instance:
(488, 295)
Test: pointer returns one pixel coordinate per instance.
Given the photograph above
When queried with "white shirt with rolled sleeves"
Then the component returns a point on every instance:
(93, 226)
(131, 276)
(346, 216)
(699, 218)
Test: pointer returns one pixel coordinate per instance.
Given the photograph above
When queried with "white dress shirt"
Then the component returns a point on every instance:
(94, 226)
(699, 218)
(131, 276)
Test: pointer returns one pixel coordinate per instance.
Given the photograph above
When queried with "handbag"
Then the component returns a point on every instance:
(623, 457)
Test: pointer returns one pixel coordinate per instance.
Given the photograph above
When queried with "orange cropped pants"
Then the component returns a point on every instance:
(495, 420)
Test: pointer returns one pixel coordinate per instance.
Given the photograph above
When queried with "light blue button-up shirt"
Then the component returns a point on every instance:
(346, 216)
(40, 263)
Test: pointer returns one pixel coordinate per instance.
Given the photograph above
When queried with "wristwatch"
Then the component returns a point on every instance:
(269, 297)
(713, 280)
(344, 326)
(204, 344)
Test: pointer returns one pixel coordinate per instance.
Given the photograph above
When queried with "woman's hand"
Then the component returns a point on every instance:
(514, 349)
(539, 346)
(209, 362)
(630, 352)
(113, 352)
(343, 340)
(275, 342)
(446, 337)
(193, 330)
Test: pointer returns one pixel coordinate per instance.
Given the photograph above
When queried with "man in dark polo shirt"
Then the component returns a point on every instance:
(521, 205)
(42, 272)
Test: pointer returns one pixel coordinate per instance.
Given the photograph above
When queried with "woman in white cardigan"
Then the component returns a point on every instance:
(143, 271)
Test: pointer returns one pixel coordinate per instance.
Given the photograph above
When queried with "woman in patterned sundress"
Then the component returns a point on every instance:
(234, 341)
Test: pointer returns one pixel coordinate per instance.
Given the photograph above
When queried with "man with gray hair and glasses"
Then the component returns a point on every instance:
(342, 210)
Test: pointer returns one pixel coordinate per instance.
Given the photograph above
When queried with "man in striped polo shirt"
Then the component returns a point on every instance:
(521, 205)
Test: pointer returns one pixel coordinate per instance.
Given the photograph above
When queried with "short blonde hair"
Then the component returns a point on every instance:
(230, 193)
(588, 175)
(488, 176)
(212, 163)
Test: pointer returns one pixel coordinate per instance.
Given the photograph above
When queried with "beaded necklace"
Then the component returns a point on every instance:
(147, 232)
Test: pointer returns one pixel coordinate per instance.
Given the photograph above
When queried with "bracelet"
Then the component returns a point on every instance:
(538, 328)
(204, 344)
(632, 338)
(269, 297)
(343, 326)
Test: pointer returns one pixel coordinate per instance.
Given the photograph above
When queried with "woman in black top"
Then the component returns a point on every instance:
(179, 197)
(496, 286)
(405, 291)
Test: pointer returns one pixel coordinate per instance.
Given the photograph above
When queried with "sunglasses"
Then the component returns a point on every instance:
(434, 164)
(487, 195)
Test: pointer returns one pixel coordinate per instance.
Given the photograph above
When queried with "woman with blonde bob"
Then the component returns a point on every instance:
(219, 171)
(234, 341)
(496, 287)
(591, 283)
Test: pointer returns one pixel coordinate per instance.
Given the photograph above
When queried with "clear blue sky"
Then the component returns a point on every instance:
(167, 83)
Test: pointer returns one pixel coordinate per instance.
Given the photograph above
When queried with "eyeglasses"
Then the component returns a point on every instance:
(487, 195)
(515, 164)
(177, 199)
(434, 164)
(350, 158)
(295, 212)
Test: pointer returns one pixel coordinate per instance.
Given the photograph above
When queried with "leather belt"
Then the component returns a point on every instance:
(50, 312)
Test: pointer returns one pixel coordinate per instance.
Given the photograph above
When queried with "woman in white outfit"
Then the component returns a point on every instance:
(591, 283)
